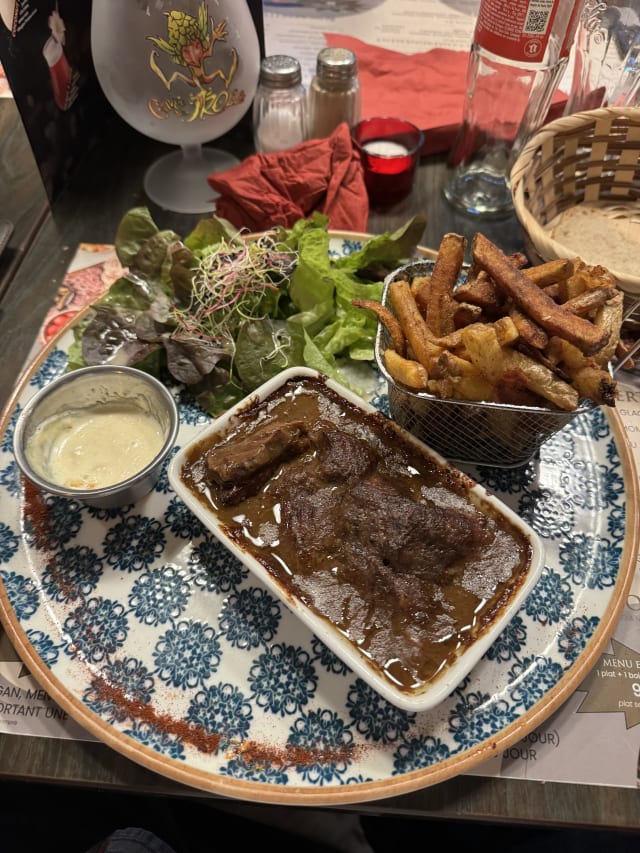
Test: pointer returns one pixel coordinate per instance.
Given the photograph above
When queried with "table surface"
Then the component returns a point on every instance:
(107, 183)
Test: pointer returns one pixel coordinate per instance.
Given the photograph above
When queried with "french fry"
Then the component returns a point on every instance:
(512, 388)
(551, 272)
(550, 357)
(435, 299)
(406, 371)
(595, 383)
(553, 291)
(461, 379)
(450, 364)
(481, 342)
(471, 388)
(529, 331)
(584, 278)
(449, 342)
(507, 331)
(609, 316)
(495, 361)
(587, 301)
(413, 325)
(481, 291)
(388, 319)
(587, 377)
(527, 296)
(418, 282)
(519, 259)
(466, 313)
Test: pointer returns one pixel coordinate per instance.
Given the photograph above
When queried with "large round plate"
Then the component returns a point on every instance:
(153, 637)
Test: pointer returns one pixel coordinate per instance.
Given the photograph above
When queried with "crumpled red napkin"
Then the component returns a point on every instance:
(427, 89)
(323, 175)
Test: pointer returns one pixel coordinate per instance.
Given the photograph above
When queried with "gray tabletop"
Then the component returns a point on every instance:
(44, 240)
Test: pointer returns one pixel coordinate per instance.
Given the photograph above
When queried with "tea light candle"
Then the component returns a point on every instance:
(389, 151)
(386, 148)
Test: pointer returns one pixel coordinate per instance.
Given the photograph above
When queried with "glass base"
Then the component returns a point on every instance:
(480, 192)
(178, 181)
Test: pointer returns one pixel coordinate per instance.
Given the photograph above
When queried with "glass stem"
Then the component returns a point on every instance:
(192, 153)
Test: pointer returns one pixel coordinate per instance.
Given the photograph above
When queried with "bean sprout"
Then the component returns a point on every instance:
(230, 284)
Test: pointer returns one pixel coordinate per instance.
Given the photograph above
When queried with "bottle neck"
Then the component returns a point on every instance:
(528, 38)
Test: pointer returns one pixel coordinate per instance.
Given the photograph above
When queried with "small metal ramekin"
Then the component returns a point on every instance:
(88, 388)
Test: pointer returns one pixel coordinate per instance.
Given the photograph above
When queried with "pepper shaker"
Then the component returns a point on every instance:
(334, 94)
(279, 106)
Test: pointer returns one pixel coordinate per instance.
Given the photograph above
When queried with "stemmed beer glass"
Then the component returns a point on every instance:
(182, 72)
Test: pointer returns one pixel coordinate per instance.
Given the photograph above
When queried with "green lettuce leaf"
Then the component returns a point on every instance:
(130, 291)
(135, 227)
(264, 348)
(388, 249)
(210, 232)
(313, 278)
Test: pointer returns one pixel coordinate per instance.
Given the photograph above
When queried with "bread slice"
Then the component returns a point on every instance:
(608, 235)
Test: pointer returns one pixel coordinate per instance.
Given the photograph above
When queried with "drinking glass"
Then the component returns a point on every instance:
(606, 67)
(182, 72)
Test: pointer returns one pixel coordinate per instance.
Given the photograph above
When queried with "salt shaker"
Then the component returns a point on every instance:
(279, 106)
(334, 94)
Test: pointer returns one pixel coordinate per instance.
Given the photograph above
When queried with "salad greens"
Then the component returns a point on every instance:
(221, 314)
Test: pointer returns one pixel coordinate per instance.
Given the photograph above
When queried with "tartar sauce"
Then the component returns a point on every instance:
(95, 447)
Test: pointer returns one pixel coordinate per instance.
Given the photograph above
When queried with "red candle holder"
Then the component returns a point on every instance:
(390, 151)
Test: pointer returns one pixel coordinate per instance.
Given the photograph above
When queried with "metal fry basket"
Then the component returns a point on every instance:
(492, 434)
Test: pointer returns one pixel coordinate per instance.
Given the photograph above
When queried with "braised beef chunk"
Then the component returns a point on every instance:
(378, 526)
(421, 539)
(240, 469)
(342, 456)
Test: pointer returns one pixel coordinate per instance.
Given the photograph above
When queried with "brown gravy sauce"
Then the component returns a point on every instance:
(352, 519)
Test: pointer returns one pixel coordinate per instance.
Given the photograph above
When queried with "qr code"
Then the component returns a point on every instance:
(537, 20)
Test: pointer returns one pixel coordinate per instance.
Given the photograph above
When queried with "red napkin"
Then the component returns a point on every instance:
(427, 89)
(321, 175)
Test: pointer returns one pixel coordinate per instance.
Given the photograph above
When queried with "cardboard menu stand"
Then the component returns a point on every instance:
(5, 89)
(46, 56)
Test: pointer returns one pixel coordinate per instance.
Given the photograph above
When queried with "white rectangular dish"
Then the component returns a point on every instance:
(405, 567)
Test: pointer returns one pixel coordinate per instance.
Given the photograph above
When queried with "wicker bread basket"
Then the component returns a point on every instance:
(590, 157)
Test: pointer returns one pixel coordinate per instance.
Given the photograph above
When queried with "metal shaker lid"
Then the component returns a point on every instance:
(336, 63)
(280, 71)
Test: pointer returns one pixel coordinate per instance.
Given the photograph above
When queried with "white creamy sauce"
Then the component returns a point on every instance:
(91, 448)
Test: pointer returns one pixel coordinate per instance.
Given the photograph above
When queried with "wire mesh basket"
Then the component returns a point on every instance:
(499, 435)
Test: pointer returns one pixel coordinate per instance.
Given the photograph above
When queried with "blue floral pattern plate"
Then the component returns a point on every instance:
(152, 636)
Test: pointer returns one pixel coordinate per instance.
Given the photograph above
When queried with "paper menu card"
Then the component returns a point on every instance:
(410, 26)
